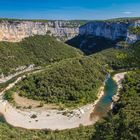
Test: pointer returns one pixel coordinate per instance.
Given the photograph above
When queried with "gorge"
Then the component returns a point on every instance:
(64, 93)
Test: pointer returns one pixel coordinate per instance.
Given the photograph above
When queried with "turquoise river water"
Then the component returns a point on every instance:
(103, 106)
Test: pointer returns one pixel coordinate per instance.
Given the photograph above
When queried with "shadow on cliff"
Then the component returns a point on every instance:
(91, 44)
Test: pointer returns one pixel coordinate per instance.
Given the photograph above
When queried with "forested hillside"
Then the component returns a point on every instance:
(70, 82)
(77, 81)
(38, 50)
(124, 121)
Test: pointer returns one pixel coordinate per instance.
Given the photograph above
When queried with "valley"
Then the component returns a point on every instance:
(74, 82)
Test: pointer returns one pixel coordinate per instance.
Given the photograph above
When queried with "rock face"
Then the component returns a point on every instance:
(15, 31)
(63, 30)
(131, 38)
(110, 30)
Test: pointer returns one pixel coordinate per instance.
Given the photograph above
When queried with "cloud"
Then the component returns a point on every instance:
(127, 12)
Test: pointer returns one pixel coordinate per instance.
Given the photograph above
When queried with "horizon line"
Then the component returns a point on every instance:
(44, 19)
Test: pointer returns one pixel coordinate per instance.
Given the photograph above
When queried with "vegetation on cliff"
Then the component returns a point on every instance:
(135, 30)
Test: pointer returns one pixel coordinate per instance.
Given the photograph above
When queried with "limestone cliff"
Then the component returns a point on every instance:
(64, 30)
(14, 31)
(110, 30)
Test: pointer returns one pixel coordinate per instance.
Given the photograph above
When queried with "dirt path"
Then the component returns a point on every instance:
(9, 77)
(23, 102)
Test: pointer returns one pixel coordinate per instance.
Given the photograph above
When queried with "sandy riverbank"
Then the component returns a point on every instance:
(51, 118)
(48, 119)
(118, 78)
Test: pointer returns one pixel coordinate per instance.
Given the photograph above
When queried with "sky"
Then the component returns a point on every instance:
(69, 9)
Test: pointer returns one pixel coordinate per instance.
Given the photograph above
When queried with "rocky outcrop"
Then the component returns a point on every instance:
(63, 30)
(15, 31)
(131, 37)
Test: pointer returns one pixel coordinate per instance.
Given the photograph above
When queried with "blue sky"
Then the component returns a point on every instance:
(69, 9)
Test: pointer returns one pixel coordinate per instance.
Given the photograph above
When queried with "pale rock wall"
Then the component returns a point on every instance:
(15, 31)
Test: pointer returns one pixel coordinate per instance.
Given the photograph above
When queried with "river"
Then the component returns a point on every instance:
(104, 104)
